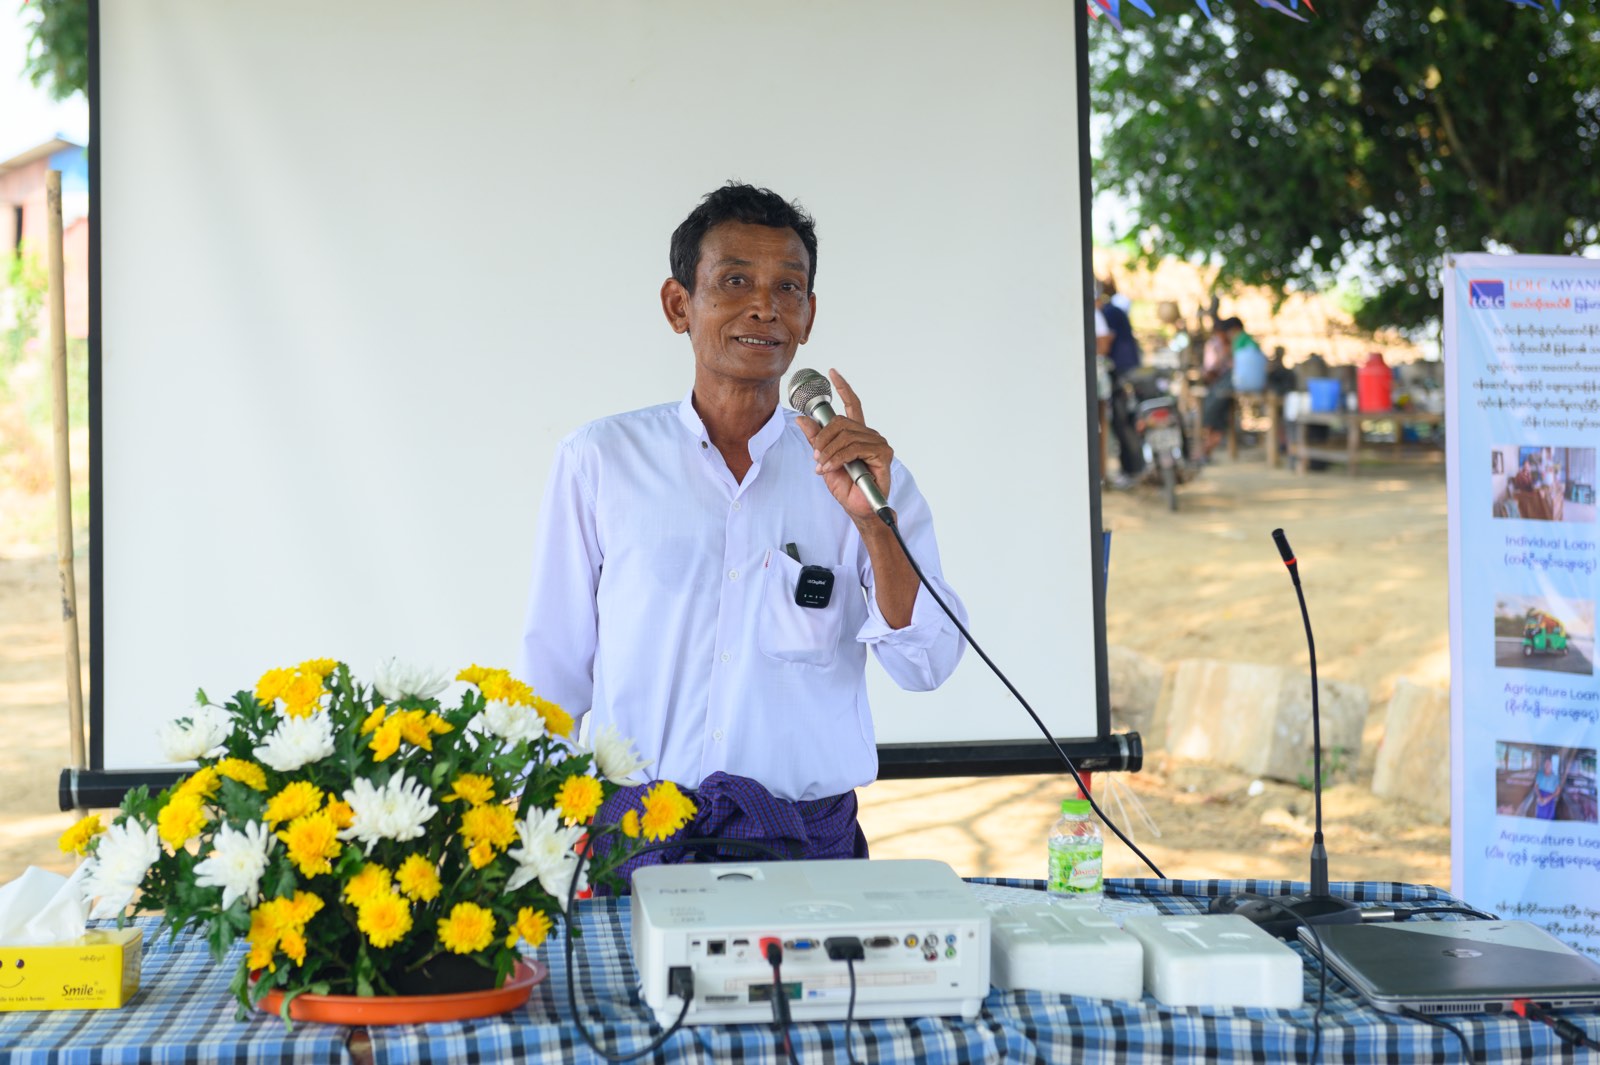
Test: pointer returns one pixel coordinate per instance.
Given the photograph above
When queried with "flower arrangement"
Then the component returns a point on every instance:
(354, 835)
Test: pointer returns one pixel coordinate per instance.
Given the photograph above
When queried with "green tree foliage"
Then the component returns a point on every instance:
(1375, 136)
(58, 56)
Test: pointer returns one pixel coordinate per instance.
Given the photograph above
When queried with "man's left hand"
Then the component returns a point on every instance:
(843, 439)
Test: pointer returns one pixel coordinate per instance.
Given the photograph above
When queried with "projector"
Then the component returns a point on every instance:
(923, 939)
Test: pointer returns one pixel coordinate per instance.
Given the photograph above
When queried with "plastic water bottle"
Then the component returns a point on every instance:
(1076, 852)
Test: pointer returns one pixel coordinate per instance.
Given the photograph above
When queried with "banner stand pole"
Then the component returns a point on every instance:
(63, 469)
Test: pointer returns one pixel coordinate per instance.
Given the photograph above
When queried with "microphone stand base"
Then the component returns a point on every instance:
(1282, 915)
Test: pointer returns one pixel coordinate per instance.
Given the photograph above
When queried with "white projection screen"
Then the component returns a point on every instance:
(362, 264)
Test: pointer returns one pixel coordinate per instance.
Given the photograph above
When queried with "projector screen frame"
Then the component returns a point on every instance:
(97, 786)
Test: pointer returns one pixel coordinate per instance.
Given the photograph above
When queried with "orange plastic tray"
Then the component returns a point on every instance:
(366, 1011)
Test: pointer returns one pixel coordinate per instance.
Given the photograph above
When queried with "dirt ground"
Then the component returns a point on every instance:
(1203, 582)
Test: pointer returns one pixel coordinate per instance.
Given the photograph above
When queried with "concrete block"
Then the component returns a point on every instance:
(1413, 763)
(1257, 719)
(1135, 687)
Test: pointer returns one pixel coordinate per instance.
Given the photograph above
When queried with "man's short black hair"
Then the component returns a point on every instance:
(735, 202)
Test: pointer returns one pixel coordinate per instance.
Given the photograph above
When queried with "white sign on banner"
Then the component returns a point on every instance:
(1522, 365)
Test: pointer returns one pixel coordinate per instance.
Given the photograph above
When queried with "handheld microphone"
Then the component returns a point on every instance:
(811, 394)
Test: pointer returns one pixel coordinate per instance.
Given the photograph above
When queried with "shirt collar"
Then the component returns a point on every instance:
(765, 437)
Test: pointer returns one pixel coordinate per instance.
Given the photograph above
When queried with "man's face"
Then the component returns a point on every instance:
(751, 308)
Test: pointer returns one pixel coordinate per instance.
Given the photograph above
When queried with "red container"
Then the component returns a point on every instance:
(1374, 383)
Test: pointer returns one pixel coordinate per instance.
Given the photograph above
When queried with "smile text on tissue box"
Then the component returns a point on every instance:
(100, 970)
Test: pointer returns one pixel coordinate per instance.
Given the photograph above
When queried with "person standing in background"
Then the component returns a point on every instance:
(1121, 348)
(1217, 366)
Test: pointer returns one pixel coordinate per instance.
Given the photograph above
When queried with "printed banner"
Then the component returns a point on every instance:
(1522, 366)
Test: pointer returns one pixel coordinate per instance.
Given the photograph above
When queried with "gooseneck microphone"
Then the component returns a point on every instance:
(1282, 916)
(811, 394)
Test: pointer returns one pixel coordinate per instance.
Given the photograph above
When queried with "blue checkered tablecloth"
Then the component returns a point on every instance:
(1020, 1026)
(184, 1014)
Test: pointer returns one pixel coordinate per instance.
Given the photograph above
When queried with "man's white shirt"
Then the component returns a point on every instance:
(662, 602)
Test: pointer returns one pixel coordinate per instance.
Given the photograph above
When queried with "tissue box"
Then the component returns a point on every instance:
(98, 970)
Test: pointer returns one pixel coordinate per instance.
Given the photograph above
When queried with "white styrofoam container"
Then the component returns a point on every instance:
(1065, 949)
(1215, 960)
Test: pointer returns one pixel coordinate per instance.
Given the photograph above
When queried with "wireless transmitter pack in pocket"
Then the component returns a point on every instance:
(814, 589)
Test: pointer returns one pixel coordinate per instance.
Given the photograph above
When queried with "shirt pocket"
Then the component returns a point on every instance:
(789, 632)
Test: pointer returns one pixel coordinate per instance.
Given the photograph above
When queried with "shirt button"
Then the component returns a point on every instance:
(737, 505)
(733, 574)
(726, 657)
(717, 735)
(703, 444)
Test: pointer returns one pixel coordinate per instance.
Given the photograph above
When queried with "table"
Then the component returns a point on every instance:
(1353, 425)
(183, 1013)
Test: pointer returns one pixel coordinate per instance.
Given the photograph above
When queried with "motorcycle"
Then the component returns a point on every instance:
(1160, 428)
(1163, 437)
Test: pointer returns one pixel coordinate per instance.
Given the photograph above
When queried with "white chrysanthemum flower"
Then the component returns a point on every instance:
(395, 681)
(558, 881)
(196, 734)
(297, 741)
(236, 863)
(398, 810)
(614, 757)
(123, 855)
(546, 853)
(510, 721)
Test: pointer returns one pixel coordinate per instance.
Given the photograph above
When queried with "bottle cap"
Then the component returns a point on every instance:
(1076, 807)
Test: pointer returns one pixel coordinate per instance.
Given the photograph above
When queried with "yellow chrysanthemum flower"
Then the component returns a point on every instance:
(263, 941)
(386, 738)
(630, 824)
(578, 799)
(272, 685)
(475, 788)
(247, 773)
(343, 816)
(418, 878)
(492, 823)
(297, 799)
(556, 720)
(300, 909)
(76, 839)
(180, 820)
(373, 880)
(418, 728)
(480, 853)
(322, 667)
(301, 697)
(502, 686)
(531, 925)
(385, 918)
(474, 674)
(202, 784)
(293, 945)
(374, 719)
(469, 928)
(313, 843)
(666, 810)
(279, 924)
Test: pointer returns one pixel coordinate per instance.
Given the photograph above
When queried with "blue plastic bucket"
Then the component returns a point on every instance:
(1325, 394)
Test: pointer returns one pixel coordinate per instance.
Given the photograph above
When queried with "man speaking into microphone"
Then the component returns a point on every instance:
(708, 576)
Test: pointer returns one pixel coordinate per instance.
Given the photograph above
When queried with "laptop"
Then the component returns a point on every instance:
(1457, 966)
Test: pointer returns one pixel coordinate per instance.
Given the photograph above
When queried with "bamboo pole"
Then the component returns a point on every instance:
(63, 463)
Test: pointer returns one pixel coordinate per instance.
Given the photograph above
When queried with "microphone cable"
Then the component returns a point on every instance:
(809, 393)
(888, 518)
